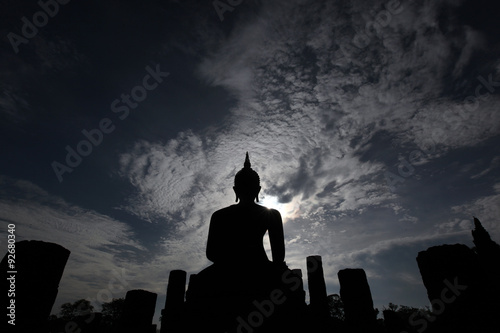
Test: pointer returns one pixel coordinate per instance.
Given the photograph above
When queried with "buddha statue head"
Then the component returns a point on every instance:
(247, 183)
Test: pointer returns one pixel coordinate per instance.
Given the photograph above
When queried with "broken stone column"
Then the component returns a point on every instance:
(190, 293)
(301, 294)
(36, 272)
(357, 298)
(317, 286)
(439, 264)
(488, 253)
(485, 246)
(138, 312)
(171, 319)
(450, 273)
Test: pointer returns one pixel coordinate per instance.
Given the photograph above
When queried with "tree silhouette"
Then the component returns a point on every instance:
(111, 311)
(336, 307)
(79, 308)
(404, 318)
(392, 307)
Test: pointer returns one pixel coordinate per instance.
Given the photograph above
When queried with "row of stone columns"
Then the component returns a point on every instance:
(354, 290)
(39, 267)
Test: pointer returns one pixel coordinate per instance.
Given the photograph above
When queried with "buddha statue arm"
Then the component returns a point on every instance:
(213, 243)
(277, 238)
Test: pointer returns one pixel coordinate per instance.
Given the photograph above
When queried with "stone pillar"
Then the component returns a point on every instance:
(317, 286)
(171, 319)
(300, 290)
(37, 270)
(138, 312)
(439, 264)
(488, 253)
(450, 273)
(191, 291)
(357, 298)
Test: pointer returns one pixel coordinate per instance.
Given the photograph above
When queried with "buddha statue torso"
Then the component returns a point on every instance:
(236, 234)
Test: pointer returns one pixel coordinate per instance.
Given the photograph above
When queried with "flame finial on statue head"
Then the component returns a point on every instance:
(247, 164)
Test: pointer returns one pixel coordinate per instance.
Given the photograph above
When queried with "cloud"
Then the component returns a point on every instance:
(311, 107)
(325, 101)
(165, 176)
(50, 55)
(495, 163)
(101, 247)
(486, 209)
(306, 109)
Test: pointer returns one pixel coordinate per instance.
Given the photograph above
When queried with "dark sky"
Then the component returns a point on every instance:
(374, 126)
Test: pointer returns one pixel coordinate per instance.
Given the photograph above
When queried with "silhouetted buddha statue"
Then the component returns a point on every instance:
(241, 276)
(236, 232)
(235, 243)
